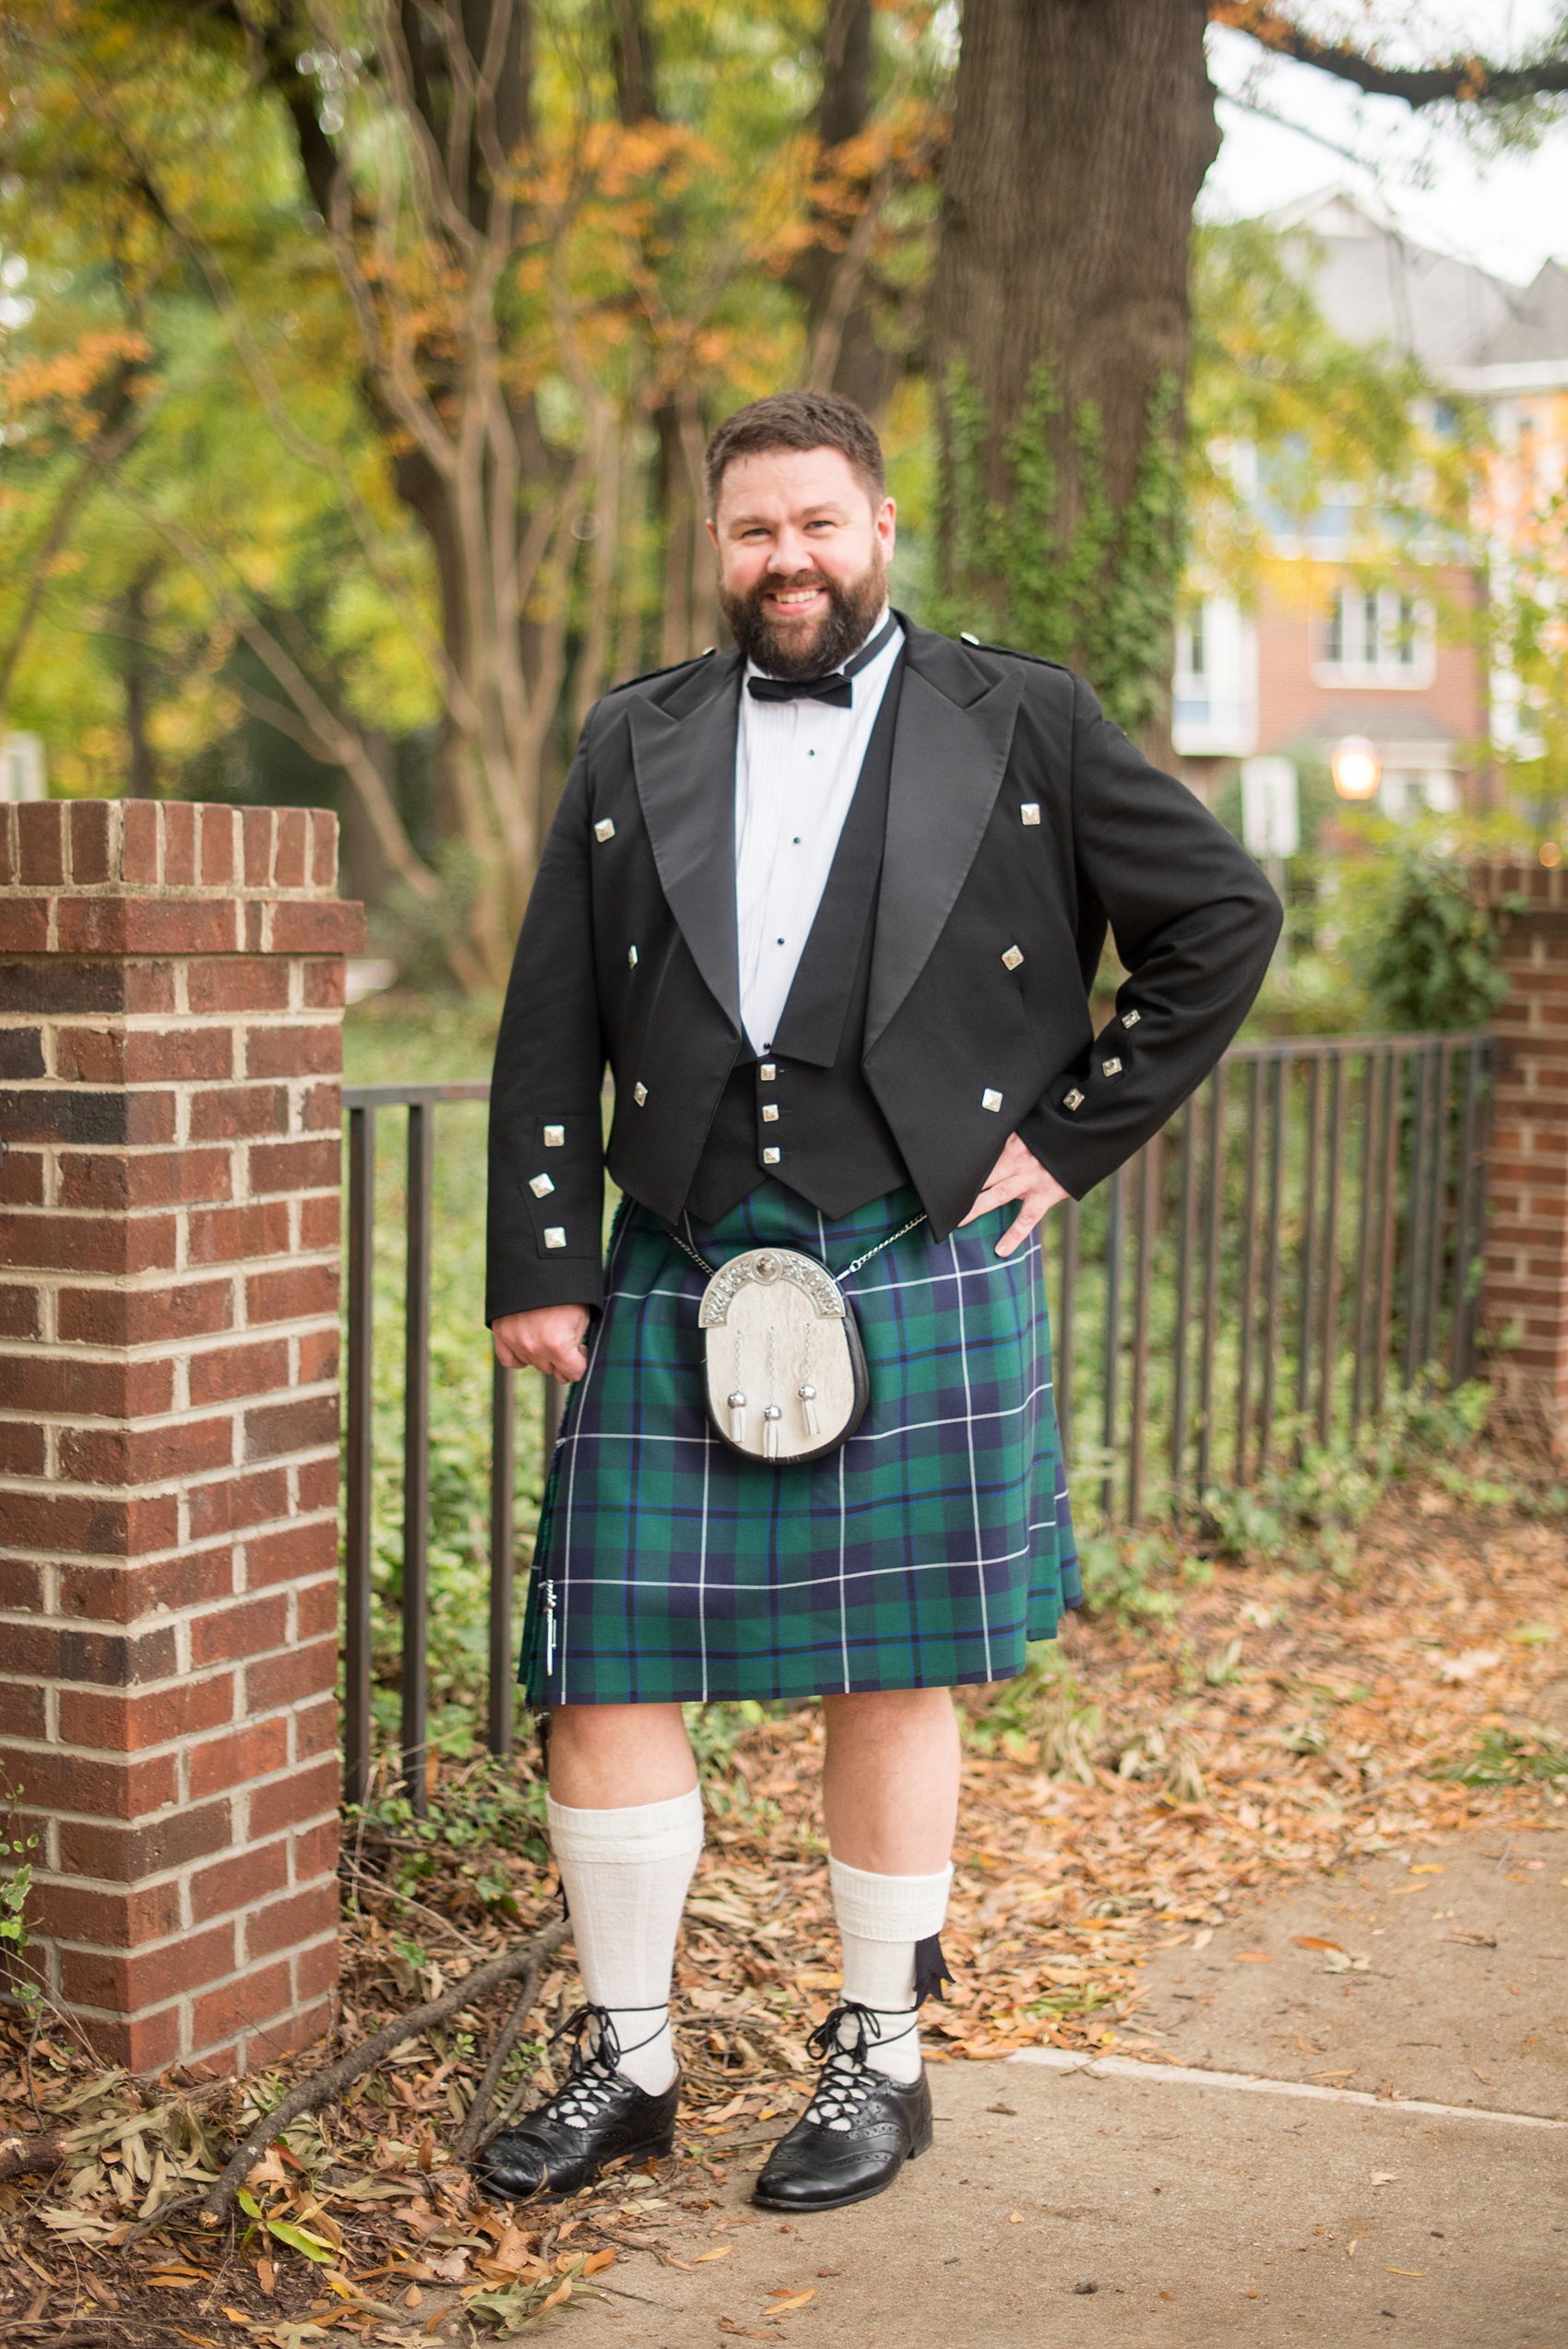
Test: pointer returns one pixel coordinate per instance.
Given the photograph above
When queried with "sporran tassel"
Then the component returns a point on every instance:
(770, 1418)
(737, 1416)
(808, 1408)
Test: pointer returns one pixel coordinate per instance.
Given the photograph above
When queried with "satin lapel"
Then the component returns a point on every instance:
(947, 768)
(686, 769)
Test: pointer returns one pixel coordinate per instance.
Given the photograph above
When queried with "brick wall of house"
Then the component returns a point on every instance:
(1291, 702)
(170, 993)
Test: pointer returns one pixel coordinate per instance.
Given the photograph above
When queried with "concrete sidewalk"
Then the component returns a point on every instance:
(1141, 2208)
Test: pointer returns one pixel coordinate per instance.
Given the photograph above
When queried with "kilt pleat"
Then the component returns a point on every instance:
(926, 1552)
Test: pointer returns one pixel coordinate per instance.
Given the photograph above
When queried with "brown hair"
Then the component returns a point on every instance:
(798, 419)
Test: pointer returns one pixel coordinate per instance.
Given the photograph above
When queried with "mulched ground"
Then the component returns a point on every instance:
(1221, 1730)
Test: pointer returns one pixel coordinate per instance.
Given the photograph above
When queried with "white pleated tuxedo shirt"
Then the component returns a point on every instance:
(796, 767)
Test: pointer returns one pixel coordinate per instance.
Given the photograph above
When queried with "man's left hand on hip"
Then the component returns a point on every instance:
(1018, 1174)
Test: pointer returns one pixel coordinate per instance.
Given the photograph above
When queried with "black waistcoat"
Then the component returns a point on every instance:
(833, 1145)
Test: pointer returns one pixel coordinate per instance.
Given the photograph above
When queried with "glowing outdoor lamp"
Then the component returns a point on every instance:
(1356, 768)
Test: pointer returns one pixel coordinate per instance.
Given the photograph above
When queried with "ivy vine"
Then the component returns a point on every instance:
(1100, 596)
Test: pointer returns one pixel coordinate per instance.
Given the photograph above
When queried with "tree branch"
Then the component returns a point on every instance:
(308, 2095)
(1466, 80)
(114, 437)
(22, 2157)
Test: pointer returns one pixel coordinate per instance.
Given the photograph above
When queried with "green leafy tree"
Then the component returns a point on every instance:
(1430, 953)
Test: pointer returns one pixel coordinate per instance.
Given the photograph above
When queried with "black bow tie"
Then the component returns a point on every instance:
(837, 687)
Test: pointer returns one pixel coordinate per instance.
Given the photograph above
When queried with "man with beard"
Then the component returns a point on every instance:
(829, 904)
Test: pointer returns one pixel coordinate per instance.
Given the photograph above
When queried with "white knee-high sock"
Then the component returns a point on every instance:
(880, 1921)
(624, 1874)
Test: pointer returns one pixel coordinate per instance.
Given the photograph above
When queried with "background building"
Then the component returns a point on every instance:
(1320, 655)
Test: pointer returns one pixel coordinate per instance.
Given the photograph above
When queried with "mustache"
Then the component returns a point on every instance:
(782, 587)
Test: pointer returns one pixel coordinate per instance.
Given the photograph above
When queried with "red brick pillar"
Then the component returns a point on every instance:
(1524, 1299)
(170, 993)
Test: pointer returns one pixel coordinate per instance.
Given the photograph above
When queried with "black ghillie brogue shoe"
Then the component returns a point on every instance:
(857, 2133)
(597, 2116)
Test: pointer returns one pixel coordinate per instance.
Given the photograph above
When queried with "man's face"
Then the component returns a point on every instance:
(802, 558)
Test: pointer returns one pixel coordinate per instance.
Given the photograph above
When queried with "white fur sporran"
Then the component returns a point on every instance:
(785, 1371)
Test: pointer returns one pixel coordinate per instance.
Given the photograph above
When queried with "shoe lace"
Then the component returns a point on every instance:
(847, 2078)
(593, 2075)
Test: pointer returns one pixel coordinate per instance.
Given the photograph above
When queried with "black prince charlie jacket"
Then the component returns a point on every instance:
(1019, 823)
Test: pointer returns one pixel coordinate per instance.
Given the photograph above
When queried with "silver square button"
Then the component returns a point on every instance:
(1012, 958)
(767, 1071)
(603, 830)
(770, 1113)
(1131, 1019)
(1029, 812)
(1112, 1067)
(991, 1099)
(555, 1235)
(541, 1186)
(771, 1158)
(640, 1095)
(631, 958)
(555, 1137)
(1074, 1100)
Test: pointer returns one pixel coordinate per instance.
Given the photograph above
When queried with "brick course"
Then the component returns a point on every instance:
(171, 984)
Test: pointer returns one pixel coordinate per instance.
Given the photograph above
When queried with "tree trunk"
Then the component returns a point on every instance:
(842, 351)
(137, 676)
(1081, 133)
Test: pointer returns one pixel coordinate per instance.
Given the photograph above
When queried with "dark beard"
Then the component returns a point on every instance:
(851, 610)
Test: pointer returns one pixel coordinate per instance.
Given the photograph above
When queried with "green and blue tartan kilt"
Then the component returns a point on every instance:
(923, 1553)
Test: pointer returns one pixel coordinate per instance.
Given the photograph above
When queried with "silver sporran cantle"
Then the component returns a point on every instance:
(785, 1371)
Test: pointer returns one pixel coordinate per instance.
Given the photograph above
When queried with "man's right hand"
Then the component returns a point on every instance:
(549, 1339)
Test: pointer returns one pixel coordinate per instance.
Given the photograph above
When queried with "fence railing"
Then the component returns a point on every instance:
(1305, 1231)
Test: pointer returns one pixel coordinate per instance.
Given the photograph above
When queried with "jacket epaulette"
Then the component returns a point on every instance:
(1013, 653)
(668, 670)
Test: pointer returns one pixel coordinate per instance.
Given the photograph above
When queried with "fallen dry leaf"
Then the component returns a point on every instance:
(1313, 1941)
(719, 2251)
(1251, 1957)
(791, 2300)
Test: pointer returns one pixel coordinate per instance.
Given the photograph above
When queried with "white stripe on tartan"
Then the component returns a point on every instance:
(598, 1333)
(702, 1561)
(843, 1514)
(969, 1430)
(828, 1580)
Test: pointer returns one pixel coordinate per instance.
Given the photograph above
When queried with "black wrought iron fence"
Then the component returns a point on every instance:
(1306, 1233)
(1303, 1235)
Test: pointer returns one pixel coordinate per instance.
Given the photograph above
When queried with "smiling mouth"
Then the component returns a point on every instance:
(787, 600)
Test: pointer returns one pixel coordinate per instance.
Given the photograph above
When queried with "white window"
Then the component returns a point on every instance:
(1376, 636)
(1215, 687)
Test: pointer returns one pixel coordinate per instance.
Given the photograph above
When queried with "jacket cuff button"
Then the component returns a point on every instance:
(603, 830)
(640, 1095)
(541, 1186)
(991, 1099)
(555, 1235)
(555, 1137)
(1073, 1101)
